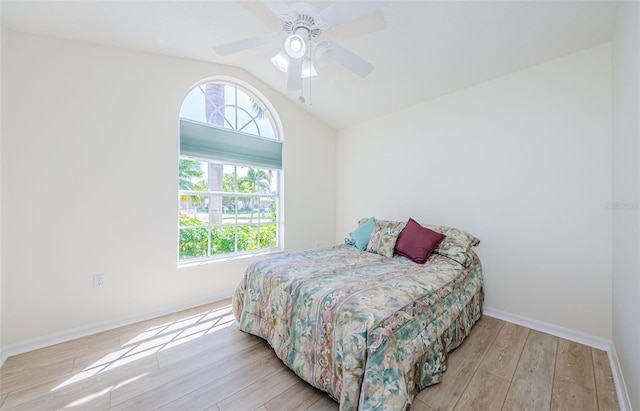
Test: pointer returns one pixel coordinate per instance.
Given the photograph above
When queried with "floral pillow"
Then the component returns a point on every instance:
(456, 245)
(383, 238)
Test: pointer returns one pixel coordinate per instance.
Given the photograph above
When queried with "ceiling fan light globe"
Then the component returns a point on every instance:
(308, 69)
(281, 61)
(323, 53)
(295, 46)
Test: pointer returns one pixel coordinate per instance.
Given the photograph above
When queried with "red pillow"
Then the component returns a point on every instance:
(417, 242)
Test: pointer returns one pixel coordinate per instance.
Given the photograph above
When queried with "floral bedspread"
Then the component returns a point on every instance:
(370, 331)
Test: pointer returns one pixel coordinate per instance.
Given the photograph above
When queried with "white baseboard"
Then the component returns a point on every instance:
(618, 379)
(576, 336)
(566, 333)
(64, 336)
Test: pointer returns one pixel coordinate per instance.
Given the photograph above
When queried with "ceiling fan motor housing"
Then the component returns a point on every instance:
(303, 22)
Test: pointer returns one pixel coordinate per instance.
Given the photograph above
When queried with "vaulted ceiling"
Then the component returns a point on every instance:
(420, 49)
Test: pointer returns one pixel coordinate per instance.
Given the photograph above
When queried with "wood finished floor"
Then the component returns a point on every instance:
(199, 360)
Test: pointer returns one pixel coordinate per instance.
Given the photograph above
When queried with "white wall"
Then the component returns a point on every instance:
(90, 154)
(626, 191)
(522, 162)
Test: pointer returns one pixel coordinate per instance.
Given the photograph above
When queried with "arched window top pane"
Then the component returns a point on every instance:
(229, 105)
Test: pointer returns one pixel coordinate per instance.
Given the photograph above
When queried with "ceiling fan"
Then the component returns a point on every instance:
(301, 26)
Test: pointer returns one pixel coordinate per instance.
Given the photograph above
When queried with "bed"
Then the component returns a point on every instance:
(371, 330)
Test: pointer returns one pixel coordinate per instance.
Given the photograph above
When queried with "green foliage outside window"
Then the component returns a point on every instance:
(194, 240)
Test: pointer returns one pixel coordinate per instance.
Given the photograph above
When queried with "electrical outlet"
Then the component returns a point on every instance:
(98, 280)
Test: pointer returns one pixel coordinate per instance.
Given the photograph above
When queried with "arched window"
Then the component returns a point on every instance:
(229, 196)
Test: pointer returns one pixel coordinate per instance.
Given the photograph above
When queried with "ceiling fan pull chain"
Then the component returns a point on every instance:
(301, 98)
(310, 100)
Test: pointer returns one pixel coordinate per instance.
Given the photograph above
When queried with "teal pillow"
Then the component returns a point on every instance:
(362, 234)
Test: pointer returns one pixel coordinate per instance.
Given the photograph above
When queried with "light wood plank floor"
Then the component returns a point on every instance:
(199, 360)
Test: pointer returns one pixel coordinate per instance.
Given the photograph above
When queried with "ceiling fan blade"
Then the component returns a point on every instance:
(294, 81)
(244, 44)
(343, 11)
(281, 9)
(350, 60)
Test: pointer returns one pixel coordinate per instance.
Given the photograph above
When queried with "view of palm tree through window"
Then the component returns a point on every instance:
(226, 208)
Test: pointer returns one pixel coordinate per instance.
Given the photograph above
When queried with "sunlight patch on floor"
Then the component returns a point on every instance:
(149, 342)
(87, 399)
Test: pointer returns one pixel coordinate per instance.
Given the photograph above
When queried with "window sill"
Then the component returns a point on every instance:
(224, 258)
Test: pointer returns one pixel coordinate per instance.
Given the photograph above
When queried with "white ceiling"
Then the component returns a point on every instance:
(420, 49)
